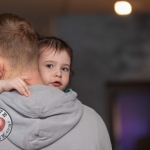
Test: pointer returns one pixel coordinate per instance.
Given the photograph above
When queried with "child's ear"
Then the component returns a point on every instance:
(1, 67)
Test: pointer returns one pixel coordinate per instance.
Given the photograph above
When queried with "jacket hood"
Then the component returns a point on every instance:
(43, 117)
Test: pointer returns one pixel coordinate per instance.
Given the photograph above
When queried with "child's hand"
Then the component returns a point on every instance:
(17, 83)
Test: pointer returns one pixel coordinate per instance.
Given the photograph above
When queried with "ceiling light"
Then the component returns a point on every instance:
(122, 8)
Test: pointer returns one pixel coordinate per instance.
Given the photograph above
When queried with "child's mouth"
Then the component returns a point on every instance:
(56, 84)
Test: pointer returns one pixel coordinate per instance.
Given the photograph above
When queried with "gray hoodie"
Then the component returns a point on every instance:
(50, 119)
(42, 118)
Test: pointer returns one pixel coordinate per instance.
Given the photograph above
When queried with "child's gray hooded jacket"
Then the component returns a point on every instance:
(50, 119)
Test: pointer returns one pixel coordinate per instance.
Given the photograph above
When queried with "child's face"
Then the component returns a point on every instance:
(54, 68)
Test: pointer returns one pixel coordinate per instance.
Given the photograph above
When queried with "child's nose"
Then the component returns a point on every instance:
(58, 73)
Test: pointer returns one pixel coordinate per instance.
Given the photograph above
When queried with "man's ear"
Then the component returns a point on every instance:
(1, 67)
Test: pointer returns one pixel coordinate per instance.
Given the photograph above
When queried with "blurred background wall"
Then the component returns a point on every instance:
(107, 47)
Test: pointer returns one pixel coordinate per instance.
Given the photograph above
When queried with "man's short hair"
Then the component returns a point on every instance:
(18, 42)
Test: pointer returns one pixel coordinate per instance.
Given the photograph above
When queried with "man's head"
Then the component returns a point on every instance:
(18, 46)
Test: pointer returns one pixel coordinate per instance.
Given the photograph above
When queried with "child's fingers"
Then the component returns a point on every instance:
(26, 90)
(25, 78)
(20, 89)
(23, 88)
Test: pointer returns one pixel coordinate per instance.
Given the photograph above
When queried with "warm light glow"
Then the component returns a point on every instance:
(123, 8)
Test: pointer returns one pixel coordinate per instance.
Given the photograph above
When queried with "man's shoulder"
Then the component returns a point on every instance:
(42, 86)
(90, 111)
(93, 119)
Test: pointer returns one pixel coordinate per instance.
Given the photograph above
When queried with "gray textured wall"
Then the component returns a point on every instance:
(106, 48)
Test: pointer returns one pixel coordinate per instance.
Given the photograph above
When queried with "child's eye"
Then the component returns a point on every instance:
(49, 66)
(65, 69)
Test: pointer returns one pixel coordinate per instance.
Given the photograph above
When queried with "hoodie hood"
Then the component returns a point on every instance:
(42, 118)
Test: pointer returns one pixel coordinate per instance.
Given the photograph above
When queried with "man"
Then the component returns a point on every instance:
(48, 119)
